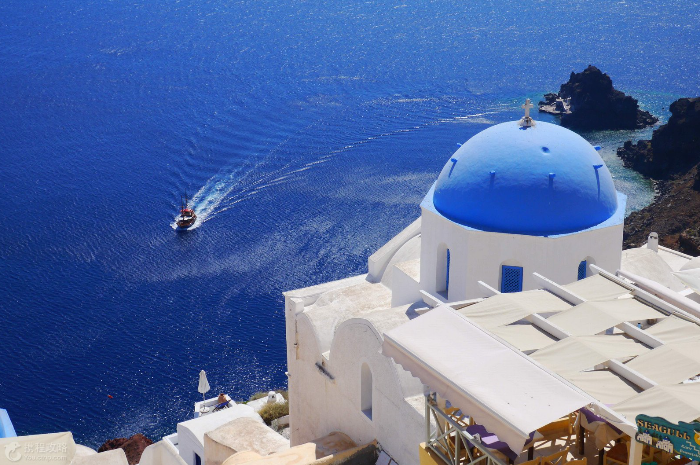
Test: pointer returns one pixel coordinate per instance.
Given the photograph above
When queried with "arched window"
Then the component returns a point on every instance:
(366, 390)
(447, 272)
(582, 268)
(511, 278)
(442, 269)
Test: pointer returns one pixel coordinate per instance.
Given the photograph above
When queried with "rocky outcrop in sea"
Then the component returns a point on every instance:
(133, 446)
(672, 159)
(589, 101)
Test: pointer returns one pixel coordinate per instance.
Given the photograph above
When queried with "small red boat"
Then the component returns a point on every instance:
(187, 215)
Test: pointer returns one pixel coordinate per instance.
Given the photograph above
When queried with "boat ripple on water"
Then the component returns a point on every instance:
(187, 216)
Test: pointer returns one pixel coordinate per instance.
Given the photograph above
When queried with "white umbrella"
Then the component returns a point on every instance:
(690, 278)
(203, 386)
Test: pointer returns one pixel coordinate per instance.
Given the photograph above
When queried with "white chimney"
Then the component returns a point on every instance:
(653, 242)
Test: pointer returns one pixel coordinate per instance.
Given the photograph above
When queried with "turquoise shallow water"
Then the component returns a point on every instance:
(307, 132)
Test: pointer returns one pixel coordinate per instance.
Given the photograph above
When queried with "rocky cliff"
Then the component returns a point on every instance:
(589, 101)
(133, 446)
(672, 158)
(674, 148)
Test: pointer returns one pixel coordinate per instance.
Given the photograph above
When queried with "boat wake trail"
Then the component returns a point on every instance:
(227, 188)
(283, 162)
(206, 201)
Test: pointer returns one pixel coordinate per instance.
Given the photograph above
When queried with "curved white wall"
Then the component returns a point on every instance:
(478, 255)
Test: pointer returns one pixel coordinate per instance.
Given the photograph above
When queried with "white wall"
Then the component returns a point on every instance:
(190, 433)
(478, 256)
(319, 405)
(379, 260)
(404, 288)
(161, 453)
(189, 445)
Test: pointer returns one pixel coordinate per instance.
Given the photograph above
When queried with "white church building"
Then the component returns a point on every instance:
(521, 206)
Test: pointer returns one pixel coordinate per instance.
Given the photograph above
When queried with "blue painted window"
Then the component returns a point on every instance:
(511, 278)
(447, 278)
(582, 269)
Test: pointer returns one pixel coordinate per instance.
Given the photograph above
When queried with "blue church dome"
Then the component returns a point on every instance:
(540, 180)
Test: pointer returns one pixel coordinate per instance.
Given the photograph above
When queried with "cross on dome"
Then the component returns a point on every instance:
(527, 121)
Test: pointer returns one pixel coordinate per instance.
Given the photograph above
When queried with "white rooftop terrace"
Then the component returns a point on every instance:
(603, 336)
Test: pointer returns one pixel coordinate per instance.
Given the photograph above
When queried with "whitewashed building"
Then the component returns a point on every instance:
(517, 203)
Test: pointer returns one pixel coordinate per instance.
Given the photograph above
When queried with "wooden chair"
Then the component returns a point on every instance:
(560, 429)
(458, 417)
(558, 458)
(620, 452)
(582, 461)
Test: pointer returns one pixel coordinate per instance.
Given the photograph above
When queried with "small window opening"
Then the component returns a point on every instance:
(511, 278)
(447, 272)
(366, 391)
(582, 267)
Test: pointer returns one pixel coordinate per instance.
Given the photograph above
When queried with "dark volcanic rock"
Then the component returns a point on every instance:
(595, 104)
(672, 156)
(674, 214)
(674, 148)
(637, 156)
(133, 446)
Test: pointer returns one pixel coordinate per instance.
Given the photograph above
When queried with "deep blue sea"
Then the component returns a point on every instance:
(307, 133)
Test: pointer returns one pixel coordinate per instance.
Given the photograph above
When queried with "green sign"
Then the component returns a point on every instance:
(682, 439)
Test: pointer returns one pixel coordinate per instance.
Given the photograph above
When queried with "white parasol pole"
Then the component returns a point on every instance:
(203, 388)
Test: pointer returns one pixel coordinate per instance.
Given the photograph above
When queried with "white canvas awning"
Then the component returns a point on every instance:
(649, 264)
(591, 318)
(504, 309)
(501, 388)
(578, 353)
(680, 402)
(691, 264)
(525, 337)
(596, 288)
(671, 363)
(690, 278)
(606, 386)
(673, 329)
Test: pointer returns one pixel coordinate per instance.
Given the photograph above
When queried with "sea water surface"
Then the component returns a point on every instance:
(306, 132)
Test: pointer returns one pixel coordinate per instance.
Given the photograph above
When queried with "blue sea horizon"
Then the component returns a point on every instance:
(307, 134)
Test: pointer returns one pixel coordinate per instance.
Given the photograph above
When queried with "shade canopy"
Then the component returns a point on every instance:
(690, 278)
(591, 318)
(680, 402)
(606, 386)
(203, 383)
(691, 264)
(673, 329)
(576, 353)
(671, 363)
(596, 287)
(504, 309)
(501, 388)
(525, 337)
